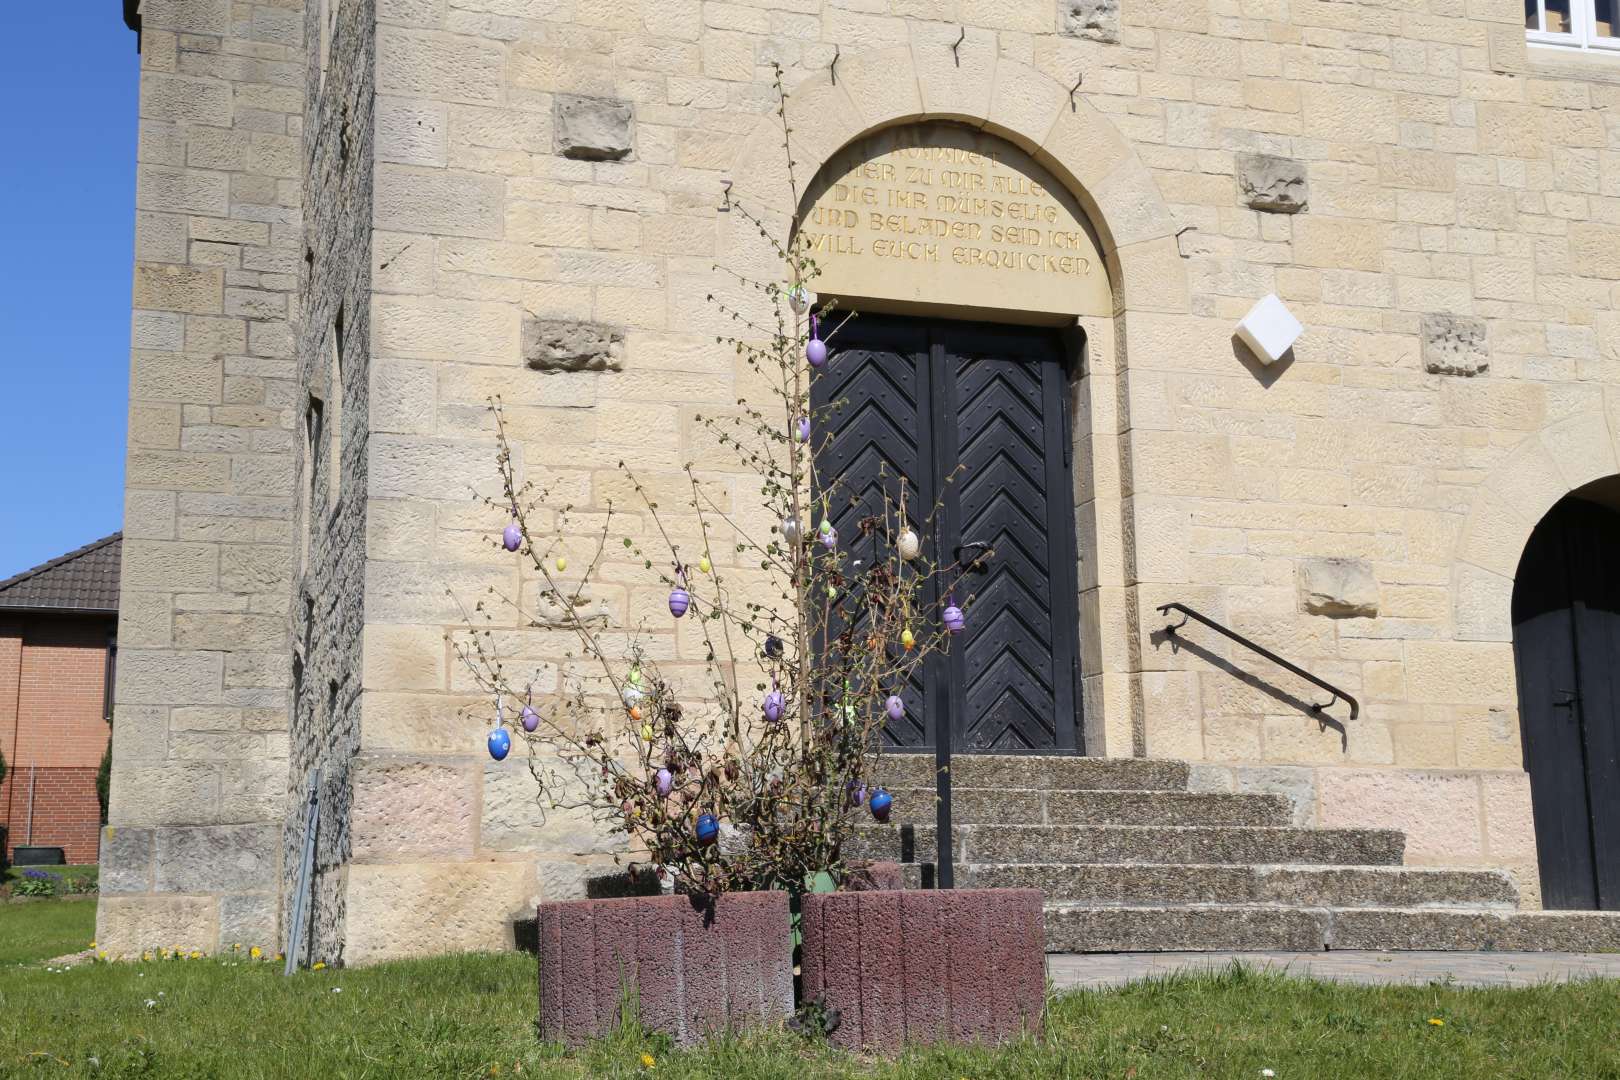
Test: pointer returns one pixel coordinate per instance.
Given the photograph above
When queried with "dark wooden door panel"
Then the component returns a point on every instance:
(1014, 659)
(877, 440)
(973, 417)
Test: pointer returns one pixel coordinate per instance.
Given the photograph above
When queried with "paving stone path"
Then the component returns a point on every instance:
(1070, 970)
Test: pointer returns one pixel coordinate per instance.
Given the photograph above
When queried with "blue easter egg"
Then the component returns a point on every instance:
(880, 804)
(500, 744)
(708, 829)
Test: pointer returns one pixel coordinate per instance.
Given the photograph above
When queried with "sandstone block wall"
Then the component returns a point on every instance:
(1433, 166)
(191, 855)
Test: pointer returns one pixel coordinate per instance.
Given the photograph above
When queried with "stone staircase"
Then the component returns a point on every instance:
(1131, 860)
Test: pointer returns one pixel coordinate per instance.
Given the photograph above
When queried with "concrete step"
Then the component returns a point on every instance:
(1498, 931)
(984, 806)
(1266, 928)
(1304, 886)
(1155, 844)
(1039, 771)
(1184, 928)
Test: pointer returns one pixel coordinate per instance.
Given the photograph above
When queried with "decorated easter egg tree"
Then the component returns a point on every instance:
(718, 690)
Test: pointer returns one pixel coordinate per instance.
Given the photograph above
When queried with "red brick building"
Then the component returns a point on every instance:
(58, 644)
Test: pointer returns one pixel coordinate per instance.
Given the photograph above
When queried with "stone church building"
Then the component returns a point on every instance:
(1303, 315)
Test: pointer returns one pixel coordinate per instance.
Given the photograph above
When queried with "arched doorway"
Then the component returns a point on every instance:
(968, 269)
(1566, 646)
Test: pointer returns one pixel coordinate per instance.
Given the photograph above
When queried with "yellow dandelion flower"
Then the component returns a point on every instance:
(319, 965)
(279, 957)
(255, 952)
(196, 955)
(1435, 1021)
(101, 954)
(236, 947)
(92, 944)
(147, 955)
(648, 1062)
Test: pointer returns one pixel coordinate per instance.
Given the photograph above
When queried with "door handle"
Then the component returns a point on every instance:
(983, 553)
(1565, 699)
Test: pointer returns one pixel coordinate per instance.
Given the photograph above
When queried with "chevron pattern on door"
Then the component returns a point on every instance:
(875, 411)
(1010, 682)
(973, 417)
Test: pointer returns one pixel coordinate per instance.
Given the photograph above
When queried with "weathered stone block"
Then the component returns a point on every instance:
(126, 860)
(411, 810)
(1094, 19)
(1340, 588)
(127, 924)
(250, 919)
(560, 345)
(592, 129)
(1454, 345)
(1277, 185)
(218, 858)
(425, 908)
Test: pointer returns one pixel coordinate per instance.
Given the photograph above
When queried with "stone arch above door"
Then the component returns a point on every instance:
(1517, 493)
(1003, 97)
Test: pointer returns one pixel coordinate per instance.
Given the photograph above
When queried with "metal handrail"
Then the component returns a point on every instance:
(1189, 613)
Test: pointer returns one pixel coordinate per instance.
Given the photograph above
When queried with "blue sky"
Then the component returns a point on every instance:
(67, 183)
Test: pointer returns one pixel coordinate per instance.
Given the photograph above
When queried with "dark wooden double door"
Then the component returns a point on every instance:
(1566, 645)
(972, 420)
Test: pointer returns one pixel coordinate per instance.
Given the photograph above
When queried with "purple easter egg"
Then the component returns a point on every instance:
(530, 718)
(953, 619)
(775, 703)
(804, 429)
(679, 601)
(829, 539)
(707, 829)
(816, 352)
(512, 537)
(666, 782)
(880, 804)
(500, 744)
(895, 707)
(857, 793)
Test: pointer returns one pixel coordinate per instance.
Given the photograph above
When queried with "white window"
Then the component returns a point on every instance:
(1573, 24)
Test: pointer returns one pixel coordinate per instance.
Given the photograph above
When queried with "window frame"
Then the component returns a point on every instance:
(1583, 35)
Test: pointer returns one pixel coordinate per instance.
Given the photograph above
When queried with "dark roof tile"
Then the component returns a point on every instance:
(82, 580)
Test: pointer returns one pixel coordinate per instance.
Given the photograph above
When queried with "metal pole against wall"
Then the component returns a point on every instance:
(33, 779)
(306, 868)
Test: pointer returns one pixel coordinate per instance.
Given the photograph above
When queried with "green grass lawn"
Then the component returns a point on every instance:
(473, 1016)
(40, 929)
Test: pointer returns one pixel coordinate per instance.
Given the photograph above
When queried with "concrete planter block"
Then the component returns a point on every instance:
(696, 969)
(922, 966)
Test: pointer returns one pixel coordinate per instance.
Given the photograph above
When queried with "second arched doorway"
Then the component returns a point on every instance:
(1566, 646)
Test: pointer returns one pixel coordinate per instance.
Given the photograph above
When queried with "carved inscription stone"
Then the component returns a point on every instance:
(592, 129)
(945, 215)
(1454, 345)
(1274, 184)
(559, 345)
(1094, 19)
